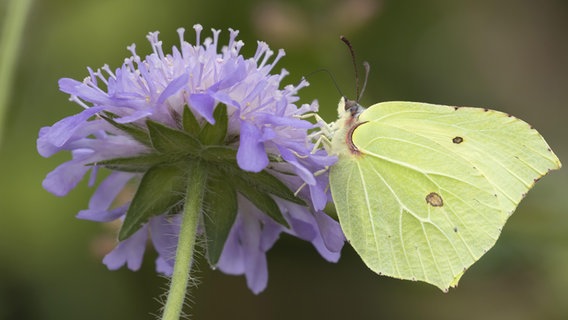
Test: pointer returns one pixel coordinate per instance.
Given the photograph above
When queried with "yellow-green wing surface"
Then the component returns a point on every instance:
(431, 186)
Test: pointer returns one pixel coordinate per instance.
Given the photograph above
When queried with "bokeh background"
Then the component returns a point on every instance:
(510, 55)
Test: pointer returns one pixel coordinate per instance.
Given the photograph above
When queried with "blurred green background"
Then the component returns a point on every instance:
(508, 55)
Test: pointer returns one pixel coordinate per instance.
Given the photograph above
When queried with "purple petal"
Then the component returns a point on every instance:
(318, 196)
(315, 228)
(44, 147)
(136, 115)
(257, 273)
(65, 177)
(270, 234)
(86, 92)
(283, 121)
(103, 215)
(231, 260)
(243, 251)
(129, 252)
(255, 259)
(251, 155)
(331, 232)
(323, 159)
(60, 132)
(103, 198)
(224, 98)
(163, 266)
(109, 189)
(69, 85)
(324, 251)
(303, 229)
(164, 231)
(268, 134)
(173, 87)
(232, 74)
(301, 171)
(203, 104)
(302, 223)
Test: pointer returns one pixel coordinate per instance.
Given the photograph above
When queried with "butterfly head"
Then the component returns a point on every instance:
(342, 142)
(349, 108)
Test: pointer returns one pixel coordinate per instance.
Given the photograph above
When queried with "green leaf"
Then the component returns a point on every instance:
(136, 132)
(161, 188)
(261, 200)
(214, 134)
(220, 213)
(190, 124)
(168, 140)
(133, 164)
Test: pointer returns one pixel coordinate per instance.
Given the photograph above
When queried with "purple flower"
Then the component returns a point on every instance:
(160, 112)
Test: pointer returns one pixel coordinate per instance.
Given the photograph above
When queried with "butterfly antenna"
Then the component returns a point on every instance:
(354, 64)
(330, 76)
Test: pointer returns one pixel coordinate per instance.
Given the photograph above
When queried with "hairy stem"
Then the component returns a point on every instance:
(186, 243)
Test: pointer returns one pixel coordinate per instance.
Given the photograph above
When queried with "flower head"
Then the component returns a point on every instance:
(150, 118)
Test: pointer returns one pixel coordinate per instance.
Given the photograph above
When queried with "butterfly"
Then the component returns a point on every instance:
(422, 191)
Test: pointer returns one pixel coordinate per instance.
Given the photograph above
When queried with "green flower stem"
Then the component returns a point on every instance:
(186, 242)
(15, 18)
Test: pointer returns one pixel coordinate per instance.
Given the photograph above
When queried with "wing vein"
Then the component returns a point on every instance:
(380, 176)
(369, 212)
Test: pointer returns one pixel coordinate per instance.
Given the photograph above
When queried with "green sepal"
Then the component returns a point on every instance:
(132, 164)
(161, 189)
(136, 132)
(218, 154)
(264, 182)
(261, 200)
(219, 216)
(214, 134)
(172, 141)
(189, 122)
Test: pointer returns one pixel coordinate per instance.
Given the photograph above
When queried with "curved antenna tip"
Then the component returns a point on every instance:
(367, 67)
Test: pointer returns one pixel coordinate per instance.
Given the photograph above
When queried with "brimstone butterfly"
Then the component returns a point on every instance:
(422, 191)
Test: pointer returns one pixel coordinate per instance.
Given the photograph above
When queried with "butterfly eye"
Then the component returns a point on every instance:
(353, 107)
(355, 110)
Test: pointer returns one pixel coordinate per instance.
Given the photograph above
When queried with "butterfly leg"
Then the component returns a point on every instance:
(322, 140)
(317, 173)
(323, 136)
(326, 128)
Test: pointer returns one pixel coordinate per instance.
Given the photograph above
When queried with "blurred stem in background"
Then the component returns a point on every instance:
(12, 31)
